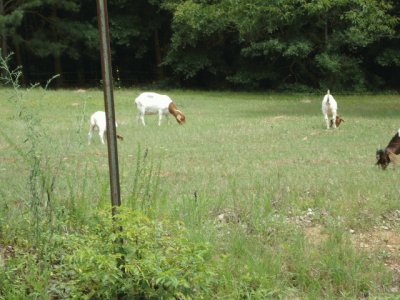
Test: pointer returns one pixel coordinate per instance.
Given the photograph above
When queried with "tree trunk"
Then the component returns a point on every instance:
(326, 32)
(58, 70)
(18, 58)
(4, 48)
(80, 74)
(158, 56)
(56, 56)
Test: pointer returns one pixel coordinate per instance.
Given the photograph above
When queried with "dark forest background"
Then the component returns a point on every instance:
(299, 45)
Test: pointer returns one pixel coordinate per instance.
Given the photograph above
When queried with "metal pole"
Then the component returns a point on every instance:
(106, 68)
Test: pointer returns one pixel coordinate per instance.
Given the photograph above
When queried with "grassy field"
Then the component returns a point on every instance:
(289, 209)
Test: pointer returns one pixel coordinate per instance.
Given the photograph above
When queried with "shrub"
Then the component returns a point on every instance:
(146, 259)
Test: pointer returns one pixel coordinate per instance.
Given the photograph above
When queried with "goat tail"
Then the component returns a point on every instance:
(328, 95)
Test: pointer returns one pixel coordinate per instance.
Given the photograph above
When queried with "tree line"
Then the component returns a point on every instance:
(297, 45)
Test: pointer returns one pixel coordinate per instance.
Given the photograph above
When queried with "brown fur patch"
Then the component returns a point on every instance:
(179, 116)
(338, 121)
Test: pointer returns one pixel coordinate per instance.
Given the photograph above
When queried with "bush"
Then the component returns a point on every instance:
(146, 259)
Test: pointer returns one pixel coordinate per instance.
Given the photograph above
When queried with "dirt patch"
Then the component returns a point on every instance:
(165, 174)
(315, 235)
(4, 146)
(376, 240)
(6, 251)
(305, 101)
(228, 216)
(275, 119)
(279, 117)
(384, 242)
(9, 159)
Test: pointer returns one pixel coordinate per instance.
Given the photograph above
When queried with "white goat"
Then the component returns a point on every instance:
(98, 123)
(152, 103)
(329, 108)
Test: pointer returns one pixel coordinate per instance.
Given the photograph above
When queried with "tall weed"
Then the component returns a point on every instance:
(34, 150)
(143, 194)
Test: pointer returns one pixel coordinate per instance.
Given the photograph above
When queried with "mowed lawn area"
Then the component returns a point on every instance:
(292, 209)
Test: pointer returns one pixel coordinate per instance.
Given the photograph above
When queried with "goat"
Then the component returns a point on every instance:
(329, 108)
(385, 156)
(338, 121)
(152, 103)
(98, 122)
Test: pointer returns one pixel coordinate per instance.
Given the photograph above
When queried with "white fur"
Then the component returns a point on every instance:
(329, 109)
(152, 103)
(98, 123)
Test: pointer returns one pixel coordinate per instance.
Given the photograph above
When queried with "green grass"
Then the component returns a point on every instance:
(264, 161)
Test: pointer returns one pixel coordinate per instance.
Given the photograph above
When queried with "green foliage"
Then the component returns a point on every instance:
(390, 57)
(211, 43)
(133, 25)
(199, 31)
(130, 255)
(368, 22)
(61, 33)
(11, 21)
(300, 42)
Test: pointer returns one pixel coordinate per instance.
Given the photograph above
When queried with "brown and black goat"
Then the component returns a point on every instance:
(385, 156)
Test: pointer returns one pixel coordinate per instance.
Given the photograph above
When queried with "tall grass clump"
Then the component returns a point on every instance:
(33, 150)
(144, 186)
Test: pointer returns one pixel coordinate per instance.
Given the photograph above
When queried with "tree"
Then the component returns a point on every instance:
(54, 29)
(203, 42)
(140, 32)
(11, 15)
(275, 44)
(279, 42)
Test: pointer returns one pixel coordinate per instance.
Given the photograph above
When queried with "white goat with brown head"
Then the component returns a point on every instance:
(329, 110)
(98, 123)
(149, 103)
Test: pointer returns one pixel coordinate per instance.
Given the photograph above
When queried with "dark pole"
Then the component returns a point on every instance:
(106, 68)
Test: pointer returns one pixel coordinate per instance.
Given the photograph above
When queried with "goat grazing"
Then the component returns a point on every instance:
(385, 156)
(98, 122)
(338, 121)
(329, 109)
(152, 103)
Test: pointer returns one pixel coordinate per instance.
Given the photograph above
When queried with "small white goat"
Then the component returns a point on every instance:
(329, 108)
(98, 123)
(152, 103)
